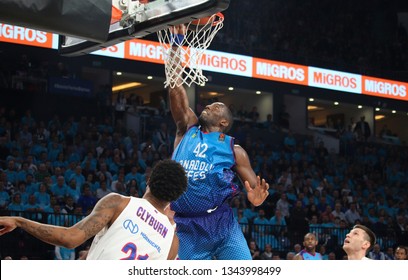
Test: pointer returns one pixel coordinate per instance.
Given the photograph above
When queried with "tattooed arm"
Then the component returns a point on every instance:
(104, 214)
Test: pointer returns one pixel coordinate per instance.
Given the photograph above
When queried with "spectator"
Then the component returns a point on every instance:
(163, 137)
(298, 223)
(332, 256)
(62, 253)
(290, 256)
(283, 205)
(389, 254)
(261, 232)
(337, 213)
(277, 222)
(253, 115)
(401, 253)
(376, 254)
(87, 201)
(102, 190)
(4, 197)
(323, 253)
(362, 129)
(289, 142)
(120, 106)
(352, 214)
(267, 254)
(254, 249)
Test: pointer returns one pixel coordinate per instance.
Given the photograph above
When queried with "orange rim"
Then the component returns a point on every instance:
(218, 18)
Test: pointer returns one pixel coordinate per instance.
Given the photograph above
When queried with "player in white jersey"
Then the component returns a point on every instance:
(139, 232)
(124, 227)
(359, 241)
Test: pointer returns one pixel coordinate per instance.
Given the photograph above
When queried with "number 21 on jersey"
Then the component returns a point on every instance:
(131, 250)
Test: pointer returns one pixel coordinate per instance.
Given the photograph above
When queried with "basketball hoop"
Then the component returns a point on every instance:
(183, 54)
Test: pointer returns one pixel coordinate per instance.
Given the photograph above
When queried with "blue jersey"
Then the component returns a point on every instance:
(307, 256)
(207, 159)
(206, 226)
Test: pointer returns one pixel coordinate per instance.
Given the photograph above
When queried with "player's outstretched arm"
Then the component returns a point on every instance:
(103, 214)
(183, 115)
(257, 188)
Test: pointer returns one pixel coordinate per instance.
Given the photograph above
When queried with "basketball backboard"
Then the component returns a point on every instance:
(86, 19)
(136, 19)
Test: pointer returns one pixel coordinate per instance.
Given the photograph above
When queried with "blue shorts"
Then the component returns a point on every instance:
(214, 236)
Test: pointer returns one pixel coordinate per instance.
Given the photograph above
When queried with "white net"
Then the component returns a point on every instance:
(183, 54)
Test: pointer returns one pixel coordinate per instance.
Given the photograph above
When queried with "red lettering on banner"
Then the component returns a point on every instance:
(113, 48)
(334, 80)
(219, 61)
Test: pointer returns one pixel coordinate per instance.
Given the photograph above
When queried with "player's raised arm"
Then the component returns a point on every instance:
(183, 115)
(104, 213)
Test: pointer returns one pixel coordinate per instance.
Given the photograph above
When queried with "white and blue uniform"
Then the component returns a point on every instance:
(139, 233)
(205, 222)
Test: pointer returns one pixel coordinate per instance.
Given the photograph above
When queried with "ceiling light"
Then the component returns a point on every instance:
(125, 86)
(393, 111)
(118, 73)
(150, 77)
(360, 106)
(379, 117)
(336, 103)
(213, 93)
(258, 92)
(311, 99)
(377, 109)
(314, 108)
(231, 88)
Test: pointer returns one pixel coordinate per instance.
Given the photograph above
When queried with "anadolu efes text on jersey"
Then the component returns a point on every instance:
(207, 159)
(196, 169)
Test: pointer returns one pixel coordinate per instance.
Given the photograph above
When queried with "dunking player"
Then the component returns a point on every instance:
(206, 226)
(309, 252)
(126, 228)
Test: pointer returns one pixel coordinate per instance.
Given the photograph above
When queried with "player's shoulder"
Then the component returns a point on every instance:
(239, 150)
(115, 199)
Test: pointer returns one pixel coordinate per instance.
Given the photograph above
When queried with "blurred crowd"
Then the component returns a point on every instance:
(354, 36)
(55, 171)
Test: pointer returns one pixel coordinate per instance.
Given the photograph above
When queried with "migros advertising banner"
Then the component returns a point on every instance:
(385, 88)
(279, 71)
(26, 36)
(335, 80)
(228, 63)
(221, 62)
(143, 50)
